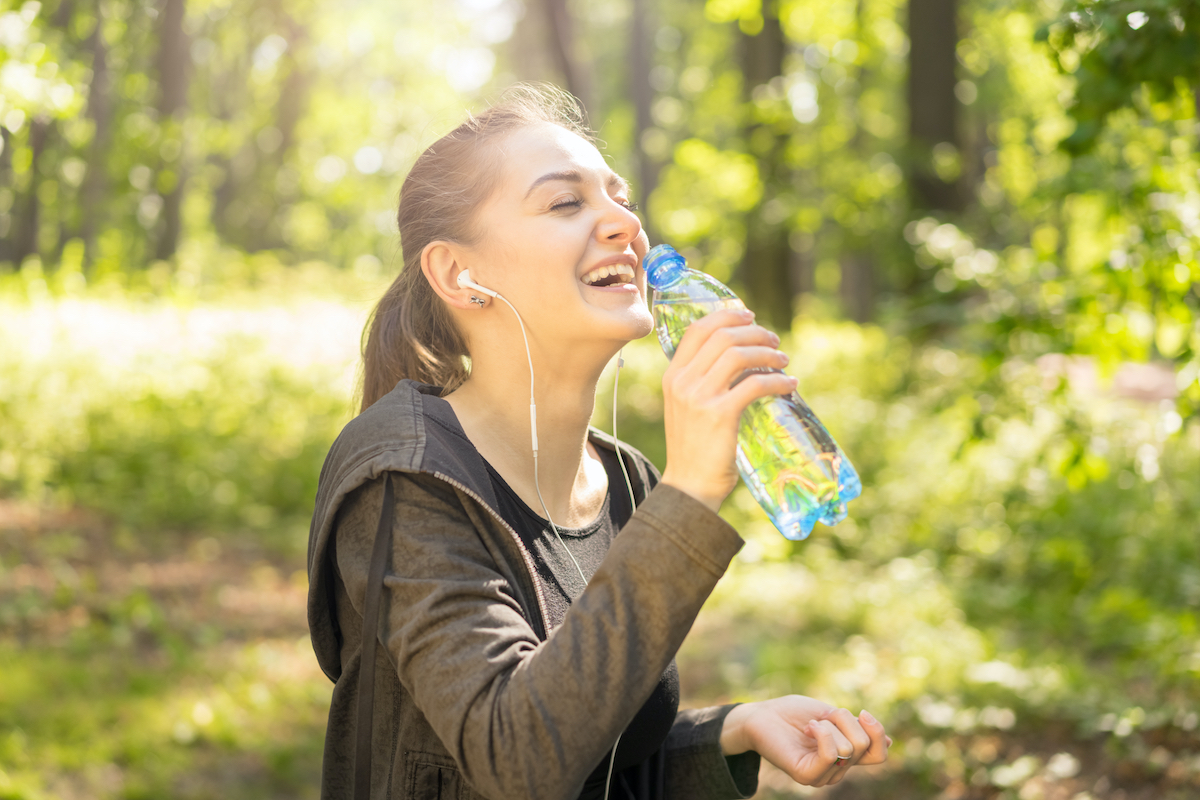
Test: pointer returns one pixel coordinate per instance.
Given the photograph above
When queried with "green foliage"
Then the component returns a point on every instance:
(300, 120)
(34, 80)
(1022, 560)
(1056, 521)
(172, 415)
(1114, 48)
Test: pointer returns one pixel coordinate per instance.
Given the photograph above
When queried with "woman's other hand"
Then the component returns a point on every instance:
(701, 411)
(813, 742)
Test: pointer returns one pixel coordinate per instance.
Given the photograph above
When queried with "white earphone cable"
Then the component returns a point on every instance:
(533, 435)
(612, 760)
(620, 460)
(616, 444)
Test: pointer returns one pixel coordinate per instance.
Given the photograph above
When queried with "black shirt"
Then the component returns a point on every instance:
(588, 545)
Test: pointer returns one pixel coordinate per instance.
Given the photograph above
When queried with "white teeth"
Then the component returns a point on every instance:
(600, 273)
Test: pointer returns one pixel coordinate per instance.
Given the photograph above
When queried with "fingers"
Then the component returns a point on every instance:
(759, 385)
(701, 409)
(737, 358)
(851, 740)
(813, 742)
(880, 742)
(699, 331)
(744, 338)
(851, 728)
(829, 741)
(725, 346)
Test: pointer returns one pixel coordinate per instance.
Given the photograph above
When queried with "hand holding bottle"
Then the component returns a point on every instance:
(790, 463)
(701, 409)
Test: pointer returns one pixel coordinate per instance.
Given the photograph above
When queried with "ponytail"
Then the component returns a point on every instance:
(411, 333)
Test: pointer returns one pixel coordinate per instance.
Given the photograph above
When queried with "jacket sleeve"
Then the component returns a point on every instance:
(524, 718)
(695, 766)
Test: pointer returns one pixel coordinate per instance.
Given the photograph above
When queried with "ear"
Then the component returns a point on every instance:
(442, 262)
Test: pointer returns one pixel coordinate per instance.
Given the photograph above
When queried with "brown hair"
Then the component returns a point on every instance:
(411, 333)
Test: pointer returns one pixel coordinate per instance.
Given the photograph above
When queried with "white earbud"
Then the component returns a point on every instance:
(465, 282)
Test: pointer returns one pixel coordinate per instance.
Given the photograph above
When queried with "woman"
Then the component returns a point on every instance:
(520, 636)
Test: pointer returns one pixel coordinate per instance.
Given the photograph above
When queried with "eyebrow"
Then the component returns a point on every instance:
(575, 176)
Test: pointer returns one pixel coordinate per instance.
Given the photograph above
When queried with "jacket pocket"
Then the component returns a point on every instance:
(434, 777)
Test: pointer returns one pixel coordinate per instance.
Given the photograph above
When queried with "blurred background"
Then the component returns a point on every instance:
(975, 223)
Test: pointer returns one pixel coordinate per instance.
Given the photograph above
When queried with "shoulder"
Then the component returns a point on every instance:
(404, 430)
(393, 427)
(414, 494)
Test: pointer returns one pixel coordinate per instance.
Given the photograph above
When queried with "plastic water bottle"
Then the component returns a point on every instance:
(790, 463)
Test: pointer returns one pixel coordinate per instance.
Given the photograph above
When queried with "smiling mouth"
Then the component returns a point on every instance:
(612, 275)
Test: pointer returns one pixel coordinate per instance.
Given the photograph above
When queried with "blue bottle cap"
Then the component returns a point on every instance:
(663, 265)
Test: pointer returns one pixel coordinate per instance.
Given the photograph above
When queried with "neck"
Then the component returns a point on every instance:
(493, 408)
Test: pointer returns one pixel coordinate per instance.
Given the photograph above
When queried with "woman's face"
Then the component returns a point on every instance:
(559, 240)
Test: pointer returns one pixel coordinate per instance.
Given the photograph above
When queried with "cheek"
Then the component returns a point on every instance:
(504, 251)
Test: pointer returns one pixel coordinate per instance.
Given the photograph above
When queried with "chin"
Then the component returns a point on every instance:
(619, 328)
(637, 323)
(646, 326)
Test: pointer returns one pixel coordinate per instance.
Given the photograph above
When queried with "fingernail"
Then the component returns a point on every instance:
(775, 338)
(865, 716)
(747, 313)
(786, 360)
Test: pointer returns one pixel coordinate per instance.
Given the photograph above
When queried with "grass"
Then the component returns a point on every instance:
(130, 673)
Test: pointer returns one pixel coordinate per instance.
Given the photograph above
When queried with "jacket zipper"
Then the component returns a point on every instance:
(528, 559)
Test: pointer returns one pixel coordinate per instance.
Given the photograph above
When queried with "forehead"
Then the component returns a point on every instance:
(536, 150)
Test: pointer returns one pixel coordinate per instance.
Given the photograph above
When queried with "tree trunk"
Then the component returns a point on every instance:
(765, 268)
(99, 111)
(643, 95)
(857, 286)
(28, 224)
(932, 106)
(527, 50)
(174, 59)
(6, 179)
(563, 47)
(293, 100)
(62, 16)
(293, 95)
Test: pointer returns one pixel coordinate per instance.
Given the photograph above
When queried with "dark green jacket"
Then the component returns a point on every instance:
(474, 698)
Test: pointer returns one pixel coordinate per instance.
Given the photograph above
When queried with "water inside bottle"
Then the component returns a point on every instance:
(672, 317)
(790, 464)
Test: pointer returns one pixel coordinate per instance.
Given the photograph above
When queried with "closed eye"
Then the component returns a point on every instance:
(578, 203)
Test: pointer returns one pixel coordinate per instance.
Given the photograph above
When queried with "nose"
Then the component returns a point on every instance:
(618, 224)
